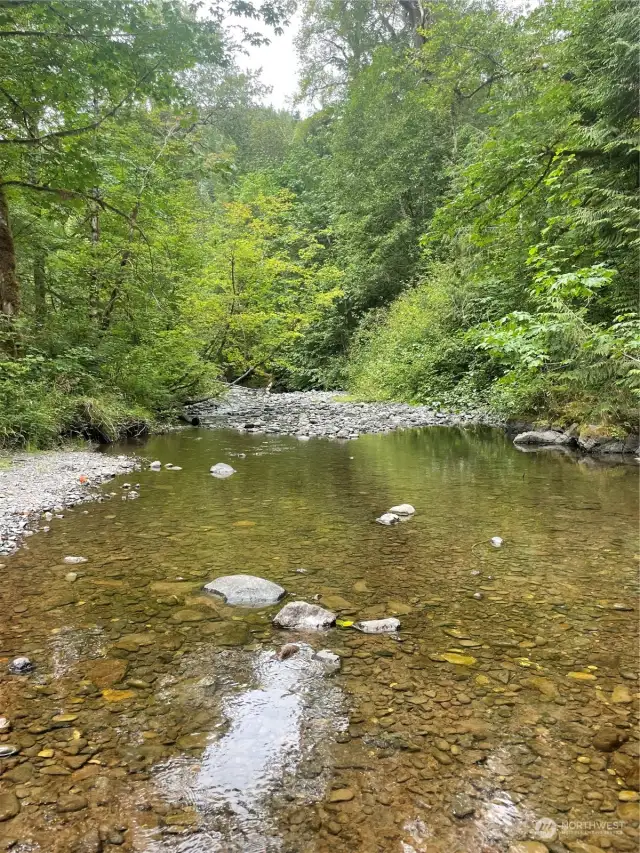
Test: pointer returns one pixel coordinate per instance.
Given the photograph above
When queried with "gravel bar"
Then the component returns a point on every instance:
(320, 413)
(35, 483)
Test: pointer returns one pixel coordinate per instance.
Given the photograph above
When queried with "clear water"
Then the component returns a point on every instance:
(187, 733)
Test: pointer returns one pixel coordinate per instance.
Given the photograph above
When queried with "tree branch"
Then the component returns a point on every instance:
(76, 194)
(77, 131)
(533, 186)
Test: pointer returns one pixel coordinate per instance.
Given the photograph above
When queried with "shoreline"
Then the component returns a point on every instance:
(322, 414)
(50, 481)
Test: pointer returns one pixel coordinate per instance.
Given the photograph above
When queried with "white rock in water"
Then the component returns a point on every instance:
(156, 466)
(71, 577)
(329, 659)
(496, 541)
(301, 616)
(388, 518)
(403, 509)
(21, 665)
(378, 626)
(222, 470)
(246, 590)
(72, 561)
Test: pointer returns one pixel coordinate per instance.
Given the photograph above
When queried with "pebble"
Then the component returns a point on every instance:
(9, 806)
(73, 561)
(71, 803)
(461, 805)
(341, 795)
(621, 695)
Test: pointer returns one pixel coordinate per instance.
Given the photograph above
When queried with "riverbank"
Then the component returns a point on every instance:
(329, 414)
(35, 483)
(309, 414)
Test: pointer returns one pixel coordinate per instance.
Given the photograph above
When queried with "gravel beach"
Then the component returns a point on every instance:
(35, 483)
(320, 413)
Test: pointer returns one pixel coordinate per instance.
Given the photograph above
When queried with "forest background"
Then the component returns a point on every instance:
(450, 216)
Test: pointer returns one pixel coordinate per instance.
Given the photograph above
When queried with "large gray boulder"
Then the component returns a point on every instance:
(544, 437)
(593, 440)
(301, 616)
(246, 590)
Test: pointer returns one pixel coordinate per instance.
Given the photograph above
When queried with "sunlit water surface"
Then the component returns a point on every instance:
(181, 731)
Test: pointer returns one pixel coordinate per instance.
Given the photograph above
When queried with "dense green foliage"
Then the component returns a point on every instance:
(454, 221)
(491, 179)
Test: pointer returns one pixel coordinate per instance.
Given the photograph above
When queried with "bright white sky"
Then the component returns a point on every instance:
(278, 62)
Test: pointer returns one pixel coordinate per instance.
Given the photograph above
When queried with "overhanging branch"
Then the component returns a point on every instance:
(76, 194)
(77, 131)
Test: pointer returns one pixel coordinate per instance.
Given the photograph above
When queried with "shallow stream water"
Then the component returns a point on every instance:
(158, 719)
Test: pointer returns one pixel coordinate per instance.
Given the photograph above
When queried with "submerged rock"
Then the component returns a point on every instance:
(74, 561)
(21, 666)
(246, 590)
(608, 738)
(378, 626)
(9, 806)
(388, 518)
(462, 806)
(544, 436)
(497, 541)
(156, 466)
(402, 509)
(329, 659)
(287, 651)
(301, 616)
(221, 470)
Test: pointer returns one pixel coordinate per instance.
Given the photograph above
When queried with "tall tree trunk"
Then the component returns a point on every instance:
(416, 16)
(9, 286)
(40, 284)
(94, 275)
(125, 260)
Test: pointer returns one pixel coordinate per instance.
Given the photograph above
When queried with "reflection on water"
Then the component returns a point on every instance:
(159, 720)
(285, 716)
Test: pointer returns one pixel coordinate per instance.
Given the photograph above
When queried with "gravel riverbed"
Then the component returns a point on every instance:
(320, 413)
(34, 483)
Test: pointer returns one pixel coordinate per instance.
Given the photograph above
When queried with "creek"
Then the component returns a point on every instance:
(159, 719)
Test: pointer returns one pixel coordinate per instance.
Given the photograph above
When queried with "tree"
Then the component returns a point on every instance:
(71, 70)
(337, 40)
